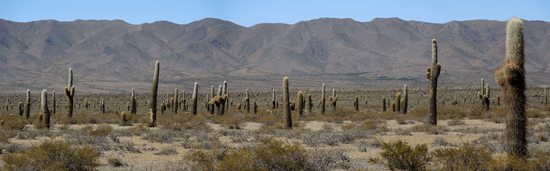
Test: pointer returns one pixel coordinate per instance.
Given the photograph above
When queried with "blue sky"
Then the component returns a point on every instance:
(250, 12)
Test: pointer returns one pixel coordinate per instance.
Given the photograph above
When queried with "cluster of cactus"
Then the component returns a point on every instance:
(220, 100)
(69, 92)
(432, 73)
(511, 77)
(286, 104)
(484, 95)
(153, 100)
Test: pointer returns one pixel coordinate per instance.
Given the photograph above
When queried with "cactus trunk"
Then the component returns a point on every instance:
(28, 104)
(286, 104)
(153, 100)
(44, 107)
(194, 99)
(433, 74)
(511, 77)
(405, 99)
(323, 99)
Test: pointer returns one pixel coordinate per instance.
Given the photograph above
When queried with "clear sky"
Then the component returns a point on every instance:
(250, 12)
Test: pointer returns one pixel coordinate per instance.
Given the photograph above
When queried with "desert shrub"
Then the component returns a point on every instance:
(102, 130)
(328, 160)
(455, 122)
(269, 155)
(466, 157)
(168, 151)
(116, 162)
(280, 155)
(439, 141)
(13, 122)
(539, 160)
(240, 159)
(5, 135)
(52, 155)
(400, 155)
(231, 121)
(430, 129)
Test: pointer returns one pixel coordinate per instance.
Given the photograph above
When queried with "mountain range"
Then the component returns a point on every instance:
(113, 55)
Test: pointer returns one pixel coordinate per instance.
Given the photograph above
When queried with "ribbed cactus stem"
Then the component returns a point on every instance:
(300, 103)
(194, 99)
(153, 100)
(133, 102)
(432, 73)
(405, 99)
(511, 77)
(53, 102)
(273, 100)
(220, 90)
(69, 92)
(247, 101)
(224, 87)
(323, 98)
(44, 107)
(28, 104)
(21, 108)
(175, 101)
(286, 104)
(383, 104)
(102, 105)
(398, 102)
(309, 104)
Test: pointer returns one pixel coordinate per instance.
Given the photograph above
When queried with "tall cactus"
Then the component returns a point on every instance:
(356, 103)
(28, 104)
(133, 102)
(273, 100)
(153, 100)
(432, 73)
(405, 100)
(247, 101)
(309, 104)
(398, 102)
(300, 103)
(54, 105)
(511, 77)
(323, 99)
(383, 104)
(286, 104)
(44, 106)
(175, 101)
(194, 99)
(484, 96)
(21, 108)
(69, 92)
(102, 106)
(333, 99)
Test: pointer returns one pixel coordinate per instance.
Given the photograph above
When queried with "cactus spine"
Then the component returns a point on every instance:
(194, 99)
(44, 106)
(153, 101)
(28, 104)
(133, 103)
(286, 104)
(300, 103)
(323, 99)
(433, 74)
(69, 92)
(511, 77)
(405, 100)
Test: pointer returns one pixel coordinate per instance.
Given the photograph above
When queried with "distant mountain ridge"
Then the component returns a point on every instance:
(112, 54)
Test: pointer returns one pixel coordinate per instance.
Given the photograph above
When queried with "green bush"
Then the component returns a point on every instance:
(280, 155)
(467, 157)
(52, 155)
(400, 155)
